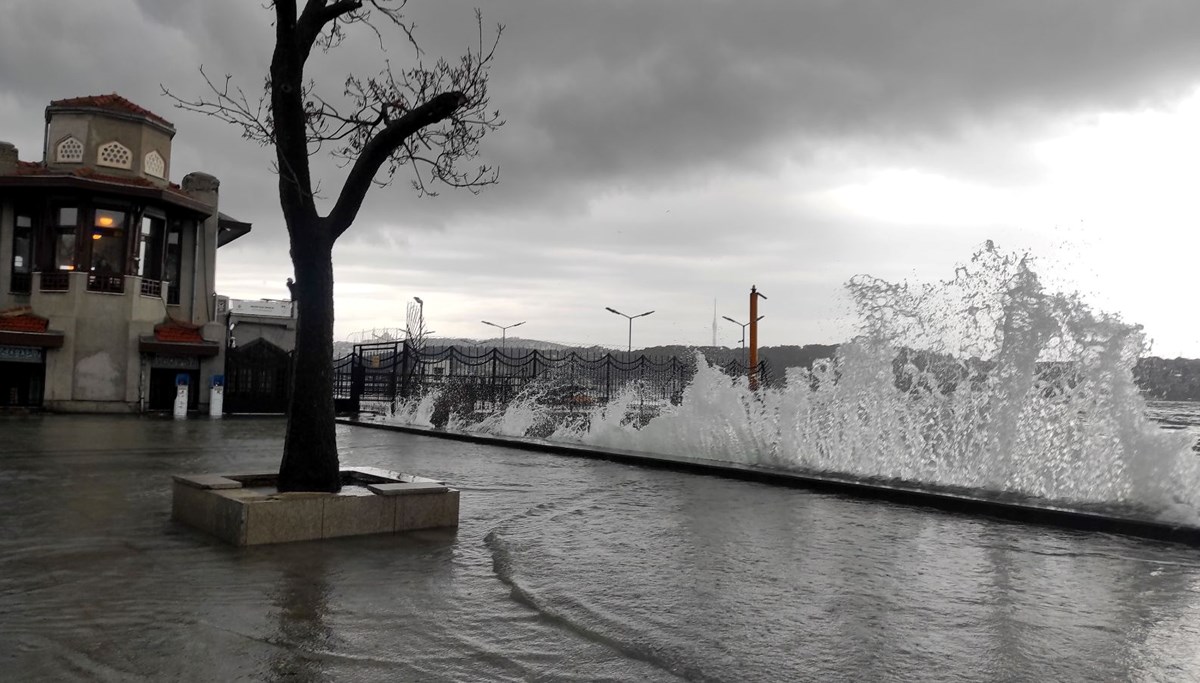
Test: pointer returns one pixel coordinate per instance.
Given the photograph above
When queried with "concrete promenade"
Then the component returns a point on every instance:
(562, 569)
(97, 582)
(997, 506)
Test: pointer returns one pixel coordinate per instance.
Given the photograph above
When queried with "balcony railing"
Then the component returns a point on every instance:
(21, 283)
(106, 283)
(55, 281)
(152, 288)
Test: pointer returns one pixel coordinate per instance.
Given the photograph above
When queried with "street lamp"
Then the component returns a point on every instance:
(630, 317)
(415, 329)
(743, 326)
(503, 331)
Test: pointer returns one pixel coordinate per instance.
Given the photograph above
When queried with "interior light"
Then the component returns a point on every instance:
(96, 235)
(104, 221)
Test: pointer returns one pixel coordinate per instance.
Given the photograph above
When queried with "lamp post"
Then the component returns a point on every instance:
(743, 326)
(629, 349)
(503, 331)
(415, 329)
(755, 295)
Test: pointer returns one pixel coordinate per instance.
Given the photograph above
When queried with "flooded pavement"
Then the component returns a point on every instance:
(562, 569)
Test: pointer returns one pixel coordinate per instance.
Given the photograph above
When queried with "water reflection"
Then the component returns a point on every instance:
(631, 574)
(302, 600)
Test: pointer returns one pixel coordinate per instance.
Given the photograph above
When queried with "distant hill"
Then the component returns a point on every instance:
(1167, 379)
(777, 358)
(343, 348)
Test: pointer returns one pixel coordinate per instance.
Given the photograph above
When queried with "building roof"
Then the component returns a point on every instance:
(36, 173)
(229, 229)
(20, 327)
(22, 320)
(111, 102)
(178, 332)
(178, 338)
(37, 168)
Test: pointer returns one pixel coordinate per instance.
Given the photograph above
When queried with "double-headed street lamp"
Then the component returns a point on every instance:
(630, 317)
(743, 326)
(503, 331)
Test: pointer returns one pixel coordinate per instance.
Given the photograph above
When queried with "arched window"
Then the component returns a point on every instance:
(69, 151)
(114, 154)
(154, 165)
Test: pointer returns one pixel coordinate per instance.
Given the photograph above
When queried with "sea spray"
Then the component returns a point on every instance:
(984, 381)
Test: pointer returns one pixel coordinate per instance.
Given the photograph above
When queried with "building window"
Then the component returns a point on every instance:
(66, 224)
(69, 151)
(150, 248)
(173, 255)
(21, 281)
(107, 270)
(155, 165)
(114, 154)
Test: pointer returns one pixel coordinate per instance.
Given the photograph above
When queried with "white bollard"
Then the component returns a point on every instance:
(216, 397)
(181, 397)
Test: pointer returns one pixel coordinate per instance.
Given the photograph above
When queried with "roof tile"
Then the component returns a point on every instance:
(178, 333)
(110, 102)
(37, 168)
(23, 322)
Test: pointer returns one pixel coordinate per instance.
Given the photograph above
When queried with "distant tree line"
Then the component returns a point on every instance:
(1169, 379)
(1165, 379)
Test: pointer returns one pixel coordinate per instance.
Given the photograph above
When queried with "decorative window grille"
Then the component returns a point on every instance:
(154, 165)
(114, 154)
(69, 151)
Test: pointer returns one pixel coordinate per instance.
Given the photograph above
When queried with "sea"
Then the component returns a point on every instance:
(1177, 415)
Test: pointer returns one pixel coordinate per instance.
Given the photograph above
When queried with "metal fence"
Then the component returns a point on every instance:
(397, 370)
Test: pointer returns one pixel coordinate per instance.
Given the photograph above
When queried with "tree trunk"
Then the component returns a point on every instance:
(310, 459)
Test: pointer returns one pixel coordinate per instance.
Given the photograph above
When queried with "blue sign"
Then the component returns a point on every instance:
(20, 354)
(182, 380)
(218, 380)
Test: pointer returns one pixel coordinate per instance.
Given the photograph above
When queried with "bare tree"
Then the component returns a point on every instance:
(428, 118)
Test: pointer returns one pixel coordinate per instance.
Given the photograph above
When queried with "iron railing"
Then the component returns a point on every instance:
(55, 281)
(113, 284)
(390, 371)
(20, 283)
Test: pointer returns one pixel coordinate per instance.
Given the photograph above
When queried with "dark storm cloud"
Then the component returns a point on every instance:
(637, 105)
(646, 94)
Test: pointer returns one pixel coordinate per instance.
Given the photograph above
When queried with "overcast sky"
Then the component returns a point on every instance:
(661, 154)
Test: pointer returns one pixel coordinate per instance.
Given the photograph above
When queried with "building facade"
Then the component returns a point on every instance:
(107, 268)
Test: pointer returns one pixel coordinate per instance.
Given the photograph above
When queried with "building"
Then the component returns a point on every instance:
(107, 268)
(258, 360)
(269, 320)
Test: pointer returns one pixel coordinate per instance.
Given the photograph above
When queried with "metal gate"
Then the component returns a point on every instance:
(258, 378)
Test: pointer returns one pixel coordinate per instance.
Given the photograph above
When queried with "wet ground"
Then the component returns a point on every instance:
(563, 569)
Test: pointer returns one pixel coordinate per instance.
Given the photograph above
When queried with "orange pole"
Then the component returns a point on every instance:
(753, 369)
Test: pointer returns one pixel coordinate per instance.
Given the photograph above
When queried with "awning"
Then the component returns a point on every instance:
(205, 349)
(229, 229)
(41, 340)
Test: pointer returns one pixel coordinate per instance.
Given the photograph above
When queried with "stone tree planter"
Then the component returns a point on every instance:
(246, 509)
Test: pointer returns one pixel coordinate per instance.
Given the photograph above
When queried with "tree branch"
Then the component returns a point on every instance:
(314, 19)
(380, 148)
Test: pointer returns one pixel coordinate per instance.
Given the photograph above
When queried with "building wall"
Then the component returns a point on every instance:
(280, 332)
(154, 139)
(7, 299)
(99, 366)
(60, 128)
(203, 269)
(96, 129)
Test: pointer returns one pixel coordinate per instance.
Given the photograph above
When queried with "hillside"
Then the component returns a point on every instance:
(1168, 379)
